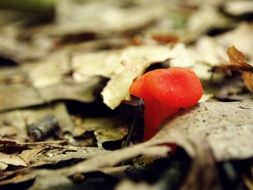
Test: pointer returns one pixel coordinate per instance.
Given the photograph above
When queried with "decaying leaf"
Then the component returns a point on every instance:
(240, 37)
(51, 182)
(3, 166)
(19, 120)
(35, 155)
(16, 44)
(198, 58)
(238, 58)
(237, 8)
(166, 38)
(227, 127)
(131, 62)
(14, 178)
(232, 89)
(17, 51)
(213, 19)
(105, 129)
(28, 155)
(238, 63)
(203, 174)
(101, 162)
(108, 16)
(12, 159)
(112, 158)
(16, 145)
(16, 85)
(248, 80)
(51, 156)
(127, 184)
(248, 182)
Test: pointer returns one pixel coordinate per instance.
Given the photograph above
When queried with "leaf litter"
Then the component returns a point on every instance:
(60, 79)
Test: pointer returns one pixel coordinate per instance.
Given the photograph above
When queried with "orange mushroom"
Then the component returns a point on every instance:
(164, 92)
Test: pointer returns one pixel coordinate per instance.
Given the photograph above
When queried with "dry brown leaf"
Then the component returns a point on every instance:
(52, 156)
(165, 38)
(227, 127)
(46, 153)
(239, 7)
(128, 64)
(13, 48)
(248, 182)
(13, 94)
(19, 119)
(238, 63)
(12, 159)
(127, 184)
(240, 37)
(112, 158)
(3, 166)
(203, 174)
(213, 19)
(239, 59)
(16, 177)
(28, 155)
(248, 80)
(104, 128)
(232, 89)
(109, 16)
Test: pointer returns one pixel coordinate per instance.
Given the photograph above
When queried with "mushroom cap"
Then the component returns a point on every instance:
(175, 87)
(138, 89)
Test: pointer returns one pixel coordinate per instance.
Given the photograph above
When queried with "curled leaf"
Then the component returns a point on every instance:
(238, 63)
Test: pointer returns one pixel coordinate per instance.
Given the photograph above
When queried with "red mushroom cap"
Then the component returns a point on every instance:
(175, 87)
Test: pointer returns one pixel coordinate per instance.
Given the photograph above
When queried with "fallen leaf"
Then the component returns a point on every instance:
(112, 158)
(195, 26)
(166, 38)
(17, 178)
(200, 57)
(35, 155)
(3, 166)
(52, 156)
(15, 46)
(12, 159)
(237, 8)
(35, 96)
(75, 17)
(232, 89)
(203, 173)
(238, 58)
(248, 182)
(227, 127)
(28, 155)
(238, 63)
(240, 37)
(131, 62)
(104, 128)
(19, 119)
(248, 80)
(127, 184)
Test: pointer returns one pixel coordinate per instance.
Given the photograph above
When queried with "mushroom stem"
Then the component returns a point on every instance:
(154, 114)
